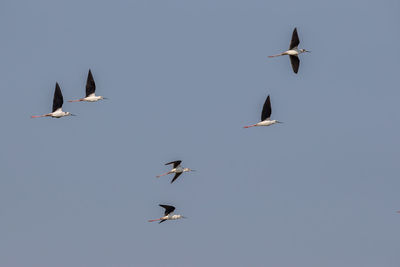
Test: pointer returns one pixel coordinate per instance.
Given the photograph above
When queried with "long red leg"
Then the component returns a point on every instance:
(78, 100)
(250, 126)
(158, 176)
(46, 115)
(154, 220)
(276, 55)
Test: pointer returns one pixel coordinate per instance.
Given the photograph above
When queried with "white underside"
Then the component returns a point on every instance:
(292, 53)
(58, 113)
(177, 170)
(266, 123)
(172, 217)
(92, 98)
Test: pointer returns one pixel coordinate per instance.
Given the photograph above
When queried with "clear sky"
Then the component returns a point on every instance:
(183, 77)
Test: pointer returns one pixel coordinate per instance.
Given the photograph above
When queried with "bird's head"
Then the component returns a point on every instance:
(188, 170)
(69, 114)
(102, 97)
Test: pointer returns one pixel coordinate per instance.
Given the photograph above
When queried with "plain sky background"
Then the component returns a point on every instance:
(183, 77)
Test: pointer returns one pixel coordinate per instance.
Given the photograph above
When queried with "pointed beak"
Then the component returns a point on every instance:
(279, 121)
(105, 98)
(193, 170)
(183, 217)
(72, 114)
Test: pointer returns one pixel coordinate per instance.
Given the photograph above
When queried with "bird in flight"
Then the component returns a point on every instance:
(168, 214)
(265, 115)
(293, 51)
(58, 101)
(176, 168)
(90, 91)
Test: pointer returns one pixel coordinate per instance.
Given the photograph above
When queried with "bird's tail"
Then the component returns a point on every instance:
(250, 126)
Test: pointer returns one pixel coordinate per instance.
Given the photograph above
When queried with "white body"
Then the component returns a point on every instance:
(92, 98)
(266, 123)
(178, 169)
(292, 52)
(59, 113)
(171, 217)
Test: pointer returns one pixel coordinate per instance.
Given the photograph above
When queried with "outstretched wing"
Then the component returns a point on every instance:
(176, 163)
(168, 209)
(295, 61)
(58, 99)
(90, 85)
(176, 176)
(295, 39)
(266, 111)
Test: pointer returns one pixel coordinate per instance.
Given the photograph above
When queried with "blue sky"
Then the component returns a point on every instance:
(183, 78)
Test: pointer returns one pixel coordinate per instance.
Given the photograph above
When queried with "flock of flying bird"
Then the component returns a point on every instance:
(58, 99)
(177, 169)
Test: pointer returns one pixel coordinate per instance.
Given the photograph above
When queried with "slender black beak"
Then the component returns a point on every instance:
(279, 121)
(72, 114)
(105, 98)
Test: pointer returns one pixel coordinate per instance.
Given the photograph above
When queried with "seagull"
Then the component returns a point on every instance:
(90, 89)
(58, 101)
(293, 51)
(177, 169)
(168, 214)
(265, 115)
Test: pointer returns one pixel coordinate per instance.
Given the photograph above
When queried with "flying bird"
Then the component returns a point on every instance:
(90, 91)
(58, 101)
(168, 214)
(265, 115)
(176, 168)
(293, 51)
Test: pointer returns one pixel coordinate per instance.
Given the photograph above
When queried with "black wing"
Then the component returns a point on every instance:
(266, 112)
(58, 99)
(176, 163)
(90, 85)
(295, 63)
(295, 39)
(176, 176)
(161, 221)
(168, 209)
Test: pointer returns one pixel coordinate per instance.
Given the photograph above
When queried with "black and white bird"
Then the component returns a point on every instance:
(265, 115)
(58, 101)
(168, 214)
(176, 168)
(90, 91)
(293, 51)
